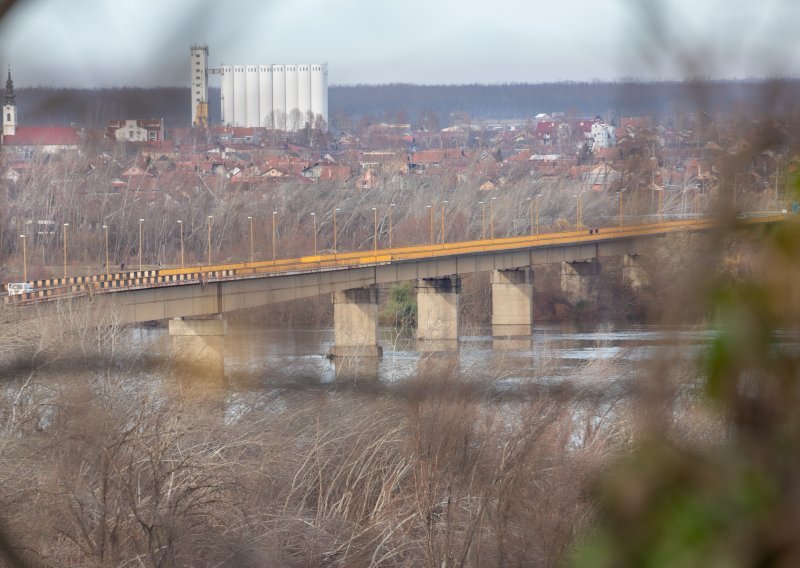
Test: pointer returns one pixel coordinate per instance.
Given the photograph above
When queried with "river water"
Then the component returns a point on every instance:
(260, 359)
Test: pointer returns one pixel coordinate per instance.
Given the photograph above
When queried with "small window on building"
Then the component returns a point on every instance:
(151, 135)
(8, 117)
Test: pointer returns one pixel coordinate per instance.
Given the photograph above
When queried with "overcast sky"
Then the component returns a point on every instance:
(91, 43)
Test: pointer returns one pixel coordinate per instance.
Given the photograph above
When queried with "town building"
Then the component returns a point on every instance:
(147, 130)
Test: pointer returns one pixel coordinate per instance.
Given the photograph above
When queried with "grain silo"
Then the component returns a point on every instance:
(292, 113)
(253, 98)
(265, 95)
(319, 89)
(279, 96)
(303, 93)
(239, 95)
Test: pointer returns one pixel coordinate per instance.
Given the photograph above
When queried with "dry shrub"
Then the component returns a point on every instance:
(111, 471)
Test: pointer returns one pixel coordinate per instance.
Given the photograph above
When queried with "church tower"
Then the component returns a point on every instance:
(9, 108)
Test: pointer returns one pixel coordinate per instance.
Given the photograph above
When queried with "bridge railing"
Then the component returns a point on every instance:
(58, 288)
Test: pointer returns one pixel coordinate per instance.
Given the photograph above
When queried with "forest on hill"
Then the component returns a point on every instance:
(441, 105)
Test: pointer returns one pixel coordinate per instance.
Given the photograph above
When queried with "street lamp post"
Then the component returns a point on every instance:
(491, 218)
(579, 211)
(140, 244)
(660, 203)
(208, 238)
(65, 250)
(105, 230)
(314, 218)
(180, 223)
(335, 235)
(530, 207)
(375, 229)
(444, 204)
(249, 218)
(430, 214)
(391, 209)
(538, 196)
(274, 215)
(24, 260)
(483, 220)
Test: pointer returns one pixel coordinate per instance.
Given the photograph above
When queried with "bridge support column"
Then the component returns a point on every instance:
(633, 274)
(197, 346)
(512, 302)
(355, 323)
(577, 280)
(437, 312)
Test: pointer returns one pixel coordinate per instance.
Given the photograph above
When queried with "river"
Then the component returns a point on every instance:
(259, 359)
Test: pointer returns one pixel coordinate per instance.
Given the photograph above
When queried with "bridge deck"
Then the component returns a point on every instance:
(424, 261)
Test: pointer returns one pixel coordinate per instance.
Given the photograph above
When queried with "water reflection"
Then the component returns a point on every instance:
(295, 359)
(270, 370)
(275, 357)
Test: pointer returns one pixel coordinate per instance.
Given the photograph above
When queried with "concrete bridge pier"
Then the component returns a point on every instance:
(437, 313)
(355, 351)
(633, 273)
(578, 280)
(512, 303)
(355, 323)
(198, 348)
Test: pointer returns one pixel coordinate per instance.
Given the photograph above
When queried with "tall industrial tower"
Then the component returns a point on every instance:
(199, 74)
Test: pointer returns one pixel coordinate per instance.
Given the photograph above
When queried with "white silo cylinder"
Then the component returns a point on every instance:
(253, 99)
(279, 96)
(265, 95)
(292, 112)
(317, 90)
(303, 93)
(226, 94)
(325, 92)
(239, 95)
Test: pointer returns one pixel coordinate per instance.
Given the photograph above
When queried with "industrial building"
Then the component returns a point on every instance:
(280, 97)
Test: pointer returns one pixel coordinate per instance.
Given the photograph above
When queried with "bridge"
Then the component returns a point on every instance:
(193, 299)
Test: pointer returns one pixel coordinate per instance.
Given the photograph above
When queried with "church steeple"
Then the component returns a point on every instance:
(9, 108)
(10, 98)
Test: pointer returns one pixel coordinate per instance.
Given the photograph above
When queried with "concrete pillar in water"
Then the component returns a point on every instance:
(632, 272)
(355, 351)
(578, 279)
(437, 312)
(198, 347)
(355, 323)
(512, 303)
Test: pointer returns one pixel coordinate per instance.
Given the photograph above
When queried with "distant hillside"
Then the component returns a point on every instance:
(442, 104)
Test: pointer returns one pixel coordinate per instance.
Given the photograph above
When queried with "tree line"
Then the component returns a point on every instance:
(417, 104)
